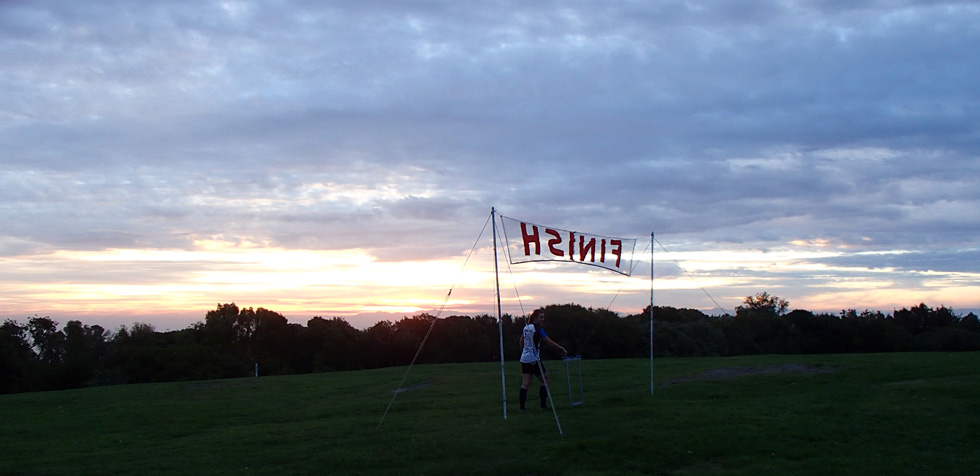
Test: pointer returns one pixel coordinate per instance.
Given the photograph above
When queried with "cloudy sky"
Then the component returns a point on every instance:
(342, 158)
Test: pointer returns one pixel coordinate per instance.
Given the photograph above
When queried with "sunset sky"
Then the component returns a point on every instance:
(342, 158)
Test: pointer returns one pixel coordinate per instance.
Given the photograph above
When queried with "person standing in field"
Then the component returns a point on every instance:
(531, 365)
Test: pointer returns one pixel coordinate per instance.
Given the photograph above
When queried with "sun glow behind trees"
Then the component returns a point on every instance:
(120, 286)
(135, 281)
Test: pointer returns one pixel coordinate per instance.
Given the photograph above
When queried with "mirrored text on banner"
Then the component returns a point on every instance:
(528, 242)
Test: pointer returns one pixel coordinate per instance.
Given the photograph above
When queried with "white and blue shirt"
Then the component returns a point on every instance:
(532, 343)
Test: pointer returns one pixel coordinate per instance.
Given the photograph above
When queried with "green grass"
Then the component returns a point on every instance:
(887, 414)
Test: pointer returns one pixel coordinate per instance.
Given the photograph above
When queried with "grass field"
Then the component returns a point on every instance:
(887, 414)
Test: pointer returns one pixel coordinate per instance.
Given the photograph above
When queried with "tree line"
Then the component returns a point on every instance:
(240, 342)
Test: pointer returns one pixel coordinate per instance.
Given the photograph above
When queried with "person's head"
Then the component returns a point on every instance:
(536, 317)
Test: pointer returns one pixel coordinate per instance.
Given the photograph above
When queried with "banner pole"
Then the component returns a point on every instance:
(652, 240)
(500, 320)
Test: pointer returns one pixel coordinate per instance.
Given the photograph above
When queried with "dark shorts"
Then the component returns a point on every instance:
(533, 368)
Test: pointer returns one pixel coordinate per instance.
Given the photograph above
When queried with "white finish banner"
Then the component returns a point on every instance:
(528, 242)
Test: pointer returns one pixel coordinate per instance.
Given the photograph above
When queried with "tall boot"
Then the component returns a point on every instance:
(523, 397)
(543, 395)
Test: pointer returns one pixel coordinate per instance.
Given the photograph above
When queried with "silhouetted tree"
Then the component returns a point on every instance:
(762, 303)
(379, 345)
(48, 341)
(913, 320)
(17, 358)
(970, 323)
(136, 355)
(49, 345)
(461, 339)
(409, 333)
(221, 327)
(39, 356)
(336, 345)
(84, 351)
(270, 341)
(671, 314)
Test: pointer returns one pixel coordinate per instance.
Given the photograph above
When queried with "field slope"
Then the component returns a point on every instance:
(868, 414)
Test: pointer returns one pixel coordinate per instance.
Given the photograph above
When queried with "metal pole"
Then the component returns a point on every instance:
(547, 388)
(652, 240)
(500, 323)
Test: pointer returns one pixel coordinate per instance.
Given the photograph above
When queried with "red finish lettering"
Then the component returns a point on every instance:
(586, 248)
(571, 245)
(617, 250)
(530, 238)
(554, 242)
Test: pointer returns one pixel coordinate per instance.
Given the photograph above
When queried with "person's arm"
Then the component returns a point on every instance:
(547, 340)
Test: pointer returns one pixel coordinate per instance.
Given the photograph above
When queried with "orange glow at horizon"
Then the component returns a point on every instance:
(344, 283)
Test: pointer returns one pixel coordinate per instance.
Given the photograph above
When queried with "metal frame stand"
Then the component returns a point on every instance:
(568, 377)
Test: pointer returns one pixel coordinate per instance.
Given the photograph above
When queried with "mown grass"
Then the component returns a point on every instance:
(887, 414)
